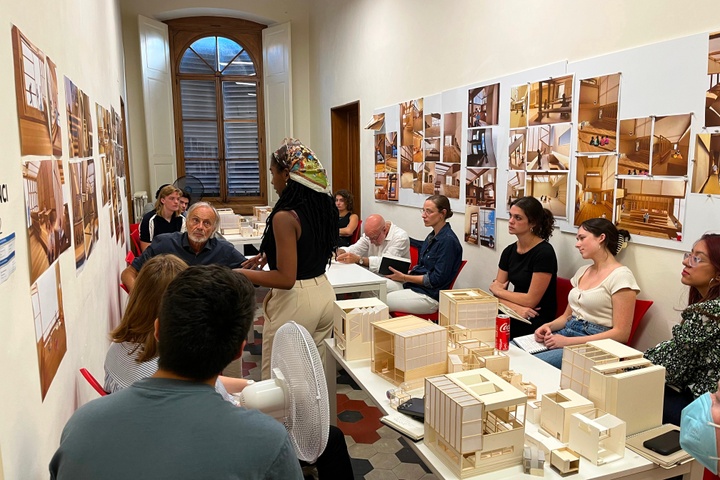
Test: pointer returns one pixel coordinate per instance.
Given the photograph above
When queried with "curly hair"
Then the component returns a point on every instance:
(348, 197)
(541, 219)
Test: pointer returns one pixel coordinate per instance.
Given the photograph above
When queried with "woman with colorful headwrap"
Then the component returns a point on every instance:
(300, 238)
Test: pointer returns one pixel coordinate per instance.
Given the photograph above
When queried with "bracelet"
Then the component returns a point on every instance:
(404, 278)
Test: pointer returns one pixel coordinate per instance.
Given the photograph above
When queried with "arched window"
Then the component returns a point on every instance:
(217, 70)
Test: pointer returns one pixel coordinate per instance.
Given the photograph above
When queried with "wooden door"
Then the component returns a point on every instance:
(345, 125)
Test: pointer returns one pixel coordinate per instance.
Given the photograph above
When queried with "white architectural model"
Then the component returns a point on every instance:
(565, 460)
(471, 421)
(632, 390)
(352, 325)
(472, 308)
(472, 354)
(534, 461)
(556, 411)
(407, 348)
(578, 360)
(597, 436)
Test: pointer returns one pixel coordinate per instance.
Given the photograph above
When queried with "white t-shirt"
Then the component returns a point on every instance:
(595, 304)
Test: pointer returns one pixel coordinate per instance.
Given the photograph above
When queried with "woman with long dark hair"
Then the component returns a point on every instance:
(347, 220)
(602, 300)
(692, 356)
(530, 265)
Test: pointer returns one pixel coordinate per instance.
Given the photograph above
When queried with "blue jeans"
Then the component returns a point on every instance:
(573, 328)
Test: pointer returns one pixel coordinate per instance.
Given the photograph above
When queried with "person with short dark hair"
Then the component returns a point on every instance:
(348, 221)
(185, 200)
(530, 265)
(438, 263)
(174, 424)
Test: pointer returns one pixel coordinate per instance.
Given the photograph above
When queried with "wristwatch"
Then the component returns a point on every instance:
(360, 262)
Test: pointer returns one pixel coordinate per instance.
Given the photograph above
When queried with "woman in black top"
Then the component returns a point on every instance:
(165, 218)
(347, 220)
(530, 265)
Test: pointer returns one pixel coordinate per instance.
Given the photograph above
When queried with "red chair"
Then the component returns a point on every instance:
(641, 308)
(93, 383)
(433, 317)
(561, 295)
(129, 257)
(414, 255)
(356, 234)
(124, 287)
(134, 227)
(135, 238)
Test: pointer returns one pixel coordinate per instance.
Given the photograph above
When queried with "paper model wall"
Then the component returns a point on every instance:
(578, 360)
(472, 308)
(565, 460)
(352, 325)
(472, 354)
(408, 348)
(556, 411)
(597, 436)
(632, 390)
(471, 421)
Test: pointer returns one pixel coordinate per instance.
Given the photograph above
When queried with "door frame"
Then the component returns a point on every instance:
(345, 130)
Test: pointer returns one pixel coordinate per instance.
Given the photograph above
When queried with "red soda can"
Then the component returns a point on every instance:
(502, 332)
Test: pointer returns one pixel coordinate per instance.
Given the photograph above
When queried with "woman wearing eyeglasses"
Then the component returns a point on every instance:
(438, 263)
(692, 357)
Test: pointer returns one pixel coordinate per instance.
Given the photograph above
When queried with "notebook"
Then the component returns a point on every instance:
(529, 344)
(512, 313)
(406, 425)
(402, 265)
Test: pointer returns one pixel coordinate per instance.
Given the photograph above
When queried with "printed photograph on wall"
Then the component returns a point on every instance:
(480, 186)
(634, 146)
(36, 92)
(472, 228)
(594, 187)
(481, 148)
(598, 114)
(47, 214)
(671, 145)
(548, 147)
(441, 179)
(381, 186)
(50, 332)
(518, 106)
(391, 152)
(379, 153)
(515, 187)
(550, 101)
(431, 140)
(653, 208)
(411, 123)
(408, 169)
(712, 95)
(483, 104)
(707, 156)
(80, 133)
(452, 131)
(517, 149)
(486, 223)
(418, 177)
(551, 189)
(85, 213)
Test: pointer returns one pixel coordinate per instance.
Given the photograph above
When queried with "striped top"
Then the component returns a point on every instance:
(122, 370)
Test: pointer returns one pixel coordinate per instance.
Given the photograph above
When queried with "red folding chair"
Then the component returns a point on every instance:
(356, 233)
(93, 383)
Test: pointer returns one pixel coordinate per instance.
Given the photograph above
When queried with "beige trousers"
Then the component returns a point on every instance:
(309, 303)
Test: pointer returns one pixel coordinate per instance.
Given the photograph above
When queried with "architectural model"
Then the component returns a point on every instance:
(472, 354)
(597, 436)
(533, 461)
(471, 421)
(556, 411)
(565, 460)
(407, 348)
(352, 330)
(472, 308)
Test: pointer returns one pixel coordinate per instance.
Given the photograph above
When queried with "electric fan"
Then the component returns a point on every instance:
(192, 185)
(296, 395)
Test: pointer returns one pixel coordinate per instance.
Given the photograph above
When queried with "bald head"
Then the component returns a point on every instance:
(376, 228)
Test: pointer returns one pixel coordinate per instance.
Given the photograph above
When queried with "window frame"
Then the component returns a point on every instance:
(183, 32)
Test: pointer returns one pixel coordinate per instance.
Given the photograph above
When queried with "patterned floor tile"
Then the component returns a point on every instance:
(381, 474)
(409, 471)
(384, 460)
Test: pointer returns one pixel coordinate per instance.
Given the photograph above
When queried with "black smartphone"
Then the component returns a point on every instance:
(665, 444)
(415, 407)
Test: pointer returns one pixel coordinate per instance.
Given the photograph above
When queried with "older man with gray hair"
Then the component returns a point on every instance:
(380, 238)
(196, 246)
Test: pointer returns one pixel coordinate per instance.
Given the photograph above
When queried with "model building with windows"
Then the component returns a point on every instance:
(352, 325)
(472, 308)
(472, 354)
(471, 421)
(597, 436)
(556, 410)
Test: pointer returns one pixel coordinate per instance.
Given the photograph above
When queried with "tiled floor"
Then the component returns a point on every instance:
(377, 451)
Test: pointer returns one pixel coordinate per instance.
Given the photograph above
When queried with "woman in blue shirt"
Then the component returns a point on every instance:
(438, 263)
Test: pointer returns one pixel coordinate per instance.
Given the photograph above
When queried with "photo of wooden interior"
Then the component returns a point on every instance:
(48, 216)
(471, 224)
(54, 108)
(480, 186)
(548, 147)
(550, 101)
(50, 332)
(653, 208)
(712, 96)
(452, 131)
(80, 134)
(85, 213)
(518, 106)
(707, 156)
(379, 153)
(381, 186)
(441, 178)
(483, 105)
(515, 186)
(634, 146)
(517, 149)
(550, 189)
(481, 148)
(391, 152)
(431, 142)
(598, 113)
(671, 145)
(411, 123)
(594, 187)
(432, 124)
(408, 170)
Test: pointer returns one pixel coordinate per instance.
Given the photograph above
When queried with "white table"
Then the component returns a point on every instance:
(239, 241)
(546, 378)
(352, 278)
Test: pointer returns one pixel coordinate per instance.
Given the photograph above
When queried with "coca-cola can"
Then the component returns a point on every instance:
(502, 332)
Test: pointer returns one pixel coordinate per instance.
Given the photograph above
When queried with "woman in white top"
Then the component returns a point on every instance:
(602, 300)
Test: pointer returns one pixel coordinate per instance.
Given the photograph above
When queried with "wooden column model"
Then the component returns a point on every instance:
(352, 325)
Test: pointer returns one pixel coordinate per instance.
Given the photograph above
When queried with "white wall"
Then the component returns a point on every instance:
(83, 38)
(384, 52)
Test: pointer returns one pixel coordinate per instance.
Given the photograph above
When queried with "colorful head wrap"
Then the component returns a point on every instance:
(303, 165)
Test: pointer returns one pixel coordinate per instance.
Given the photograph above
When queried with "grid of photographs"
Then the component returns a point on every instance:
(705, 179)
(386, 165)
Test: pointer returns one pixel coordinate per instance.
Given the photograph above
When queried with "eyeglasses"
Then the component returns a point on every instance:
(693, 260)
(427, 211)
(375, 236)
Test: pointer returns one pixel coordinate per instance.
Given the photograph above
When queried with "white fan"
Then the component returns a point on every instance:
(296, 395)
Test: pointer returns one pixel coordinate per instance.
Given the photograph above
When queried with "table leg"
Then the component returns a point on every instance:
(382, 292)
(331, 378)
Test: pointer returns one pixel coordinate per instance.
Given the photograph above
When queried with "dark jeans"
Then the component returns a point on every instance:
(334, 462)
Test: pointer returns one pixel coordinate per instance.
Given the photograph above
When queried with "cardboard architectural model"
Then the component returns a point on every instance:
(472, 354)
(578, 360)
(556, 411)
(407, 348)
(352, 325)
(565, 460)
(632, 390)
(597, 436)
(534, 461)
(471, 421)
(472, 308)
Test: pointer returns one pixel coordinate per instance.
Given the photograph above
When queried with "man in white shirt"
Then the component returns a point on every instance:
(380, 238)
